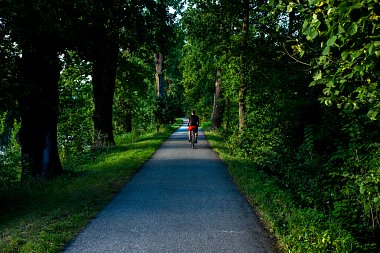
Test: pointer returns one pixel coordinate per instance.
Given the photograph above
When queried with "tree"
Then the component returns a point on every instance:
(34, 29)
(243, 63)
(9, 82)
(103, 79)
(348, 66)
(75, 124)
(207, 29)
(163, 35)
(97, 36)
(134, 94)
(216, 120)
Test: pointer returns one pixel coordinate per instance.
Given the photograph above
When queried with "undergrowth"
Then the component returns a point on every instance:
(43, 216)
(297, 228)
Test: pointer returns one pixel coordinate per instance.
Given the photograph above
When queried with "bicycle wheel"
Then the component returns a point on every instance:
(192, 134)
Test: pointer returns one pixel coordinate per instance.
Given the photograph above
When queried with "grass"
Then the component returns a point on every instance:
(43, 216)
(296, 228)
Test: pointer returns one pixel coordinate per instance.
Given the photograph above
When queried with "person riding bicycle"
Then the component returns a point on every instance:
(193, 123)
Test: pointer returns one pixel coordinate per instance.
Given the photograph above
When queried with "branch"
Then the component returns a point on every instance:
(304, 63)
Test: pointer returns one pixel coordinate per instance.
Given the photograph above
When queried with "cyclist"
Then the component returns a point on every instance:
(193, 123)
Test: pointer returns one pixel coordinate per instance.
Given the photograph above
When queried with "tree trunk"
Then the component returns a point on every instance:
(38, 111)
(128, 117)
(103, 79)
(216, 121)
(160, 86)
(228, 113)
(243, 65)
(292, 15)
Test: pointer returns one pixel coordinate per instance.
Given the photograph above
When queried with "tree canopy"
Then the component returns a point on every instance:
(291, 85)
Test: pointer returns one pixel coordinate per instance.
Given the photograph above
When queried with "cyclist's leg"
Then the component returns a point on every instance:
(188, 134)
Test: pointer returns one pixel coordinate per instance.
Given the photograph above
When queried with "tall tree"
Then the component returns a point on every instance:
(103, 79)
(98, 30)
(35, 28)
(209, 26)
(216, 120)
(160, 80)
(9, 81)
(243, 64)
(162, 38)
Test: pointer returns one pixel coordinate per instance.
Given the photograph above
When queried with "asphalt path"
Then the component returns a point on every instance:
(182, 200)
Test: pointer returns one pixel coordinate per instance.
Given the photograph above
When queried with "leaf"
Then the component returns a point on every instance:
(313, 34)
(327, 92)
(328, 102)
(355, 54)
(371, 49)
(290, 7)
(352, 29)
(330, 84)
(362, 189)
(313, 2)
(317, 75)
(326, 50)
(341, 29)
(305, 24)
(356, 6)
(342, 8)
(331, 41)
(344, 55)
(372, 114)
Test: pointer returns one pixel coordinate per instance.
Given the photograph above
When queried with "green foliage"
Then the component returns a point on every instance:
(325, 156)
(75, 125)
(198, 80)
(10, 157)
(9, 90)
(134, 94)
(164, 110)
(210, 46)
(206, 126)
(348, 67)
(9, 71)
(359, 172)
(42, 216)
(297, 229)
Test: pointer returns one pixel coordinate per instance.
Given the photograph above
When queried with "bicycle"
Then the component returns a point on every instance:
(192, 139)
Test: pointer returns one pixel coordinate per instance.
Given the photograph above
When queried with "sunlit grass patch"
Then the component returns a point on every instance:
(42, 216)
(297, 228)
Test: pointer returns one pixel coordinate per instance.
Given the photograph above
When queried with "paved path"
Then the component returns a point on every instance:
(182, 200)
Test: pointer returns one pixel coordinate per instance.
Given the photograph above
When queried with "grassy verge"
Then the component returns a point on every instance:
(44, 216)
(297, 229)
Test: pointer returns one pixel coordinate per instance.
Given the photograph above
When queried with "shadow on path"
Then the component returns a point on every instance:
(182, 200)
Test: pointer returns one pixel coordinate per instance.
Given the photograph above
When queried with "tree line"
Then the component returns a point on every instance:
(61, 63)
(294, 87)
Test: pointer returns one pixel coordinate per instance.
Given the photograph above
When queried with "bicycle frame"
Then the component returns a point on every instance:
(192, 136)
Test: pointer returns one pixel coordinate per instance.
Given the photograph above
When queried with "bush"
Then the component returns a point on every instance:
(10, 160)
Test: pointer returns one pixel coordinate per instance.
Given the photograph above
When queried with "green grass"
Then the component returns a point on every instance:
(44, 216)
(296, 228)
